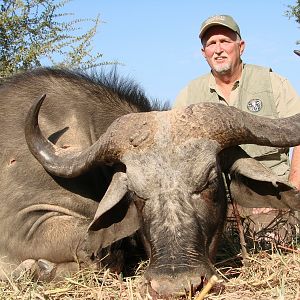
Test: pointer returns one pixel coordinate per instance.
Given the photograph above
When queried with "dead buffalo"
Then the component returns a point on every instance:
(166, 174)
(45, 216)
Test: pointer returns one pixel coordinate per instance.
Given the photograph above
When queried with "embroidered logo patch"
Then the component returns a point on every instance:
(254, 105)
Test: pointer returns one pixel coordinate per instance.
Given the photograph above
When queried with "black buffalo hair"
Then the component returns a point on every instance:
(94, 82)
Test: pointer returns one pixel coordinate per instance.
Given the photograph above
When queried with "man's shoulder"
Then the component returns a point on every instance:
(200, 80)
(192, 91)
(202, 77)
(275, 77)
(256, 78)
(256, 68)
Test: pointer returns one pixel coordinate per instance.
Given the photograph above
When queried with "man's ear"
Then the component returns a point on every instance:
(242, 46)
(254, 185)
(203, 52)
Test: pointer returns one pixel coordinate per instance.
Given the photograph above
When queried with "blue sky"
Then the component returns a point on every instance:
(157, 40)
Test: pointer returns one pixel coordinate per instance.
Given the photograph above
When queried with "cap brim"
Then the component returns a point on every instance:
(206, 27)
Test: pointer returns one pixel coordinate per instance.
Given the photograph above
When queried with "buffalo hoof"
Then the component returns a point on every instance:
(45, 270)
(42, 270)
(25, 268)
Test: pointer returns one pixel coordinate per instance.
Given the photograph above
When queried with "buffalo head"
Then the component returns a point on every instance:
(172, 162)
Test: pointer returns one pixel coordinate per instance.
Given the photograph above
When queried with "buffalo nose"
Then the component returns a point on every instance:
(179, 289)
(170, 287)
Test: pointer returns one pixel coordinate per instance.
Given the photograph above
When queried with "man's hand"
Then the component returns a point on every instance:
(294, 176)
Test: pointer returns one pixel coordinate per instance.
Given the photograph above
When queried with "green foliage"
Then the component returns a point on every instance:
(33, 33)
(294, 12)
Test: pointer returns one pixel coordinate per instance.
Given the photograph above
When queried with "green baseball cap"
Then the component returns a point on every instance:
(223, 20)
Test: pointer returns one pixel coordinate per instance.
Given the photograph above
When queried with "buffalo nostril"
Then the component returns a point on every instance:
(176, 288)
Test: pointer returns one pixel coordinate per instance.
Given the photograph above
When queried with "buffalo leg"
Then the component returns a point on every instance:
(59, 240)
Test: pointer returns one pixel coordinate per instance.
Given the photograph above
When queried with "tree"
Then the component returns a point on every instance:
(33, 33)
(294, 12)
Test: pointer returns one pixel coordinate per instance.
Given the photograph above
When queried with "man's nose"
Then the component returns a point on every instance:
(218, 48)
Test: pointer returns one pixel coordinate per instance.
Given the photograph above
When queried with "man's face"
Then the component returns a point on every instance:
(222, 49)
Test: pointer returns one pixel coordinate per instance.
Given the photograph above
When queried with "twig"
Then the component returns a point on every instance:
(211, 282)
(289, 249)
(240, 228)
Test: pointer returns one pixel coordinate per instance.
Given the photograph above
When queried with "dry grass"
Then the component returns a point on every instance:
(263, 276)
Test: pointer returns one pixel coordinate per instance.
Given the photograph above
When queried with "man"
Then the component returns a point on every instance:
(251, 88)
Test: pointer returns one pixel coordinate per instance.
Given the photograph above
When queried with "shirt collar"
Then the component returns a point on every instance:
(212, 82)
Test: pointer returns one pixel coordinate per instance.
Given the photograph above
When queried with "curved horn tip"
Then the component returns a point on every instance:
(297, 52)
(40, 100)
(33, 112)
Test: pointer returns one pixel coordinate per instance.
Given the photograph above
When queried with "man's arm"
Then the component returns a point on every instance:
(294, 176)
(287, 103)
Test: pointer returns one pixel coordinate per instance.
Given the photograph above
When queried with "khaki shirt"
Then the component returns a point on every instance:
(287, 101)
(285, 98)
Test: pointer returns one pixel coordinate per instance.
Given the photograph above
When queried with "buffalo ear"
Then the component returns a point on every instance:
(119, 222)
(116, 213)
(254, 185)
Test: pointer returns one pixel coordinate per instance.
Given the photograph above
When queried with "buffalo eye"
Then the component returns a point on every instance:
(208, 187)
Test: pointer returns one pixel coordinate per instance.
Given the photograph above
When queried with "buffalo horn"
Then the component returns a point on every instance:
(54, 159)
(231, 126)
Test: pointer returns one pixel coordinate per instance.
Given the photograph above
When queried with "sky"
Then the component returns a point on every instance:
(157, 41)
